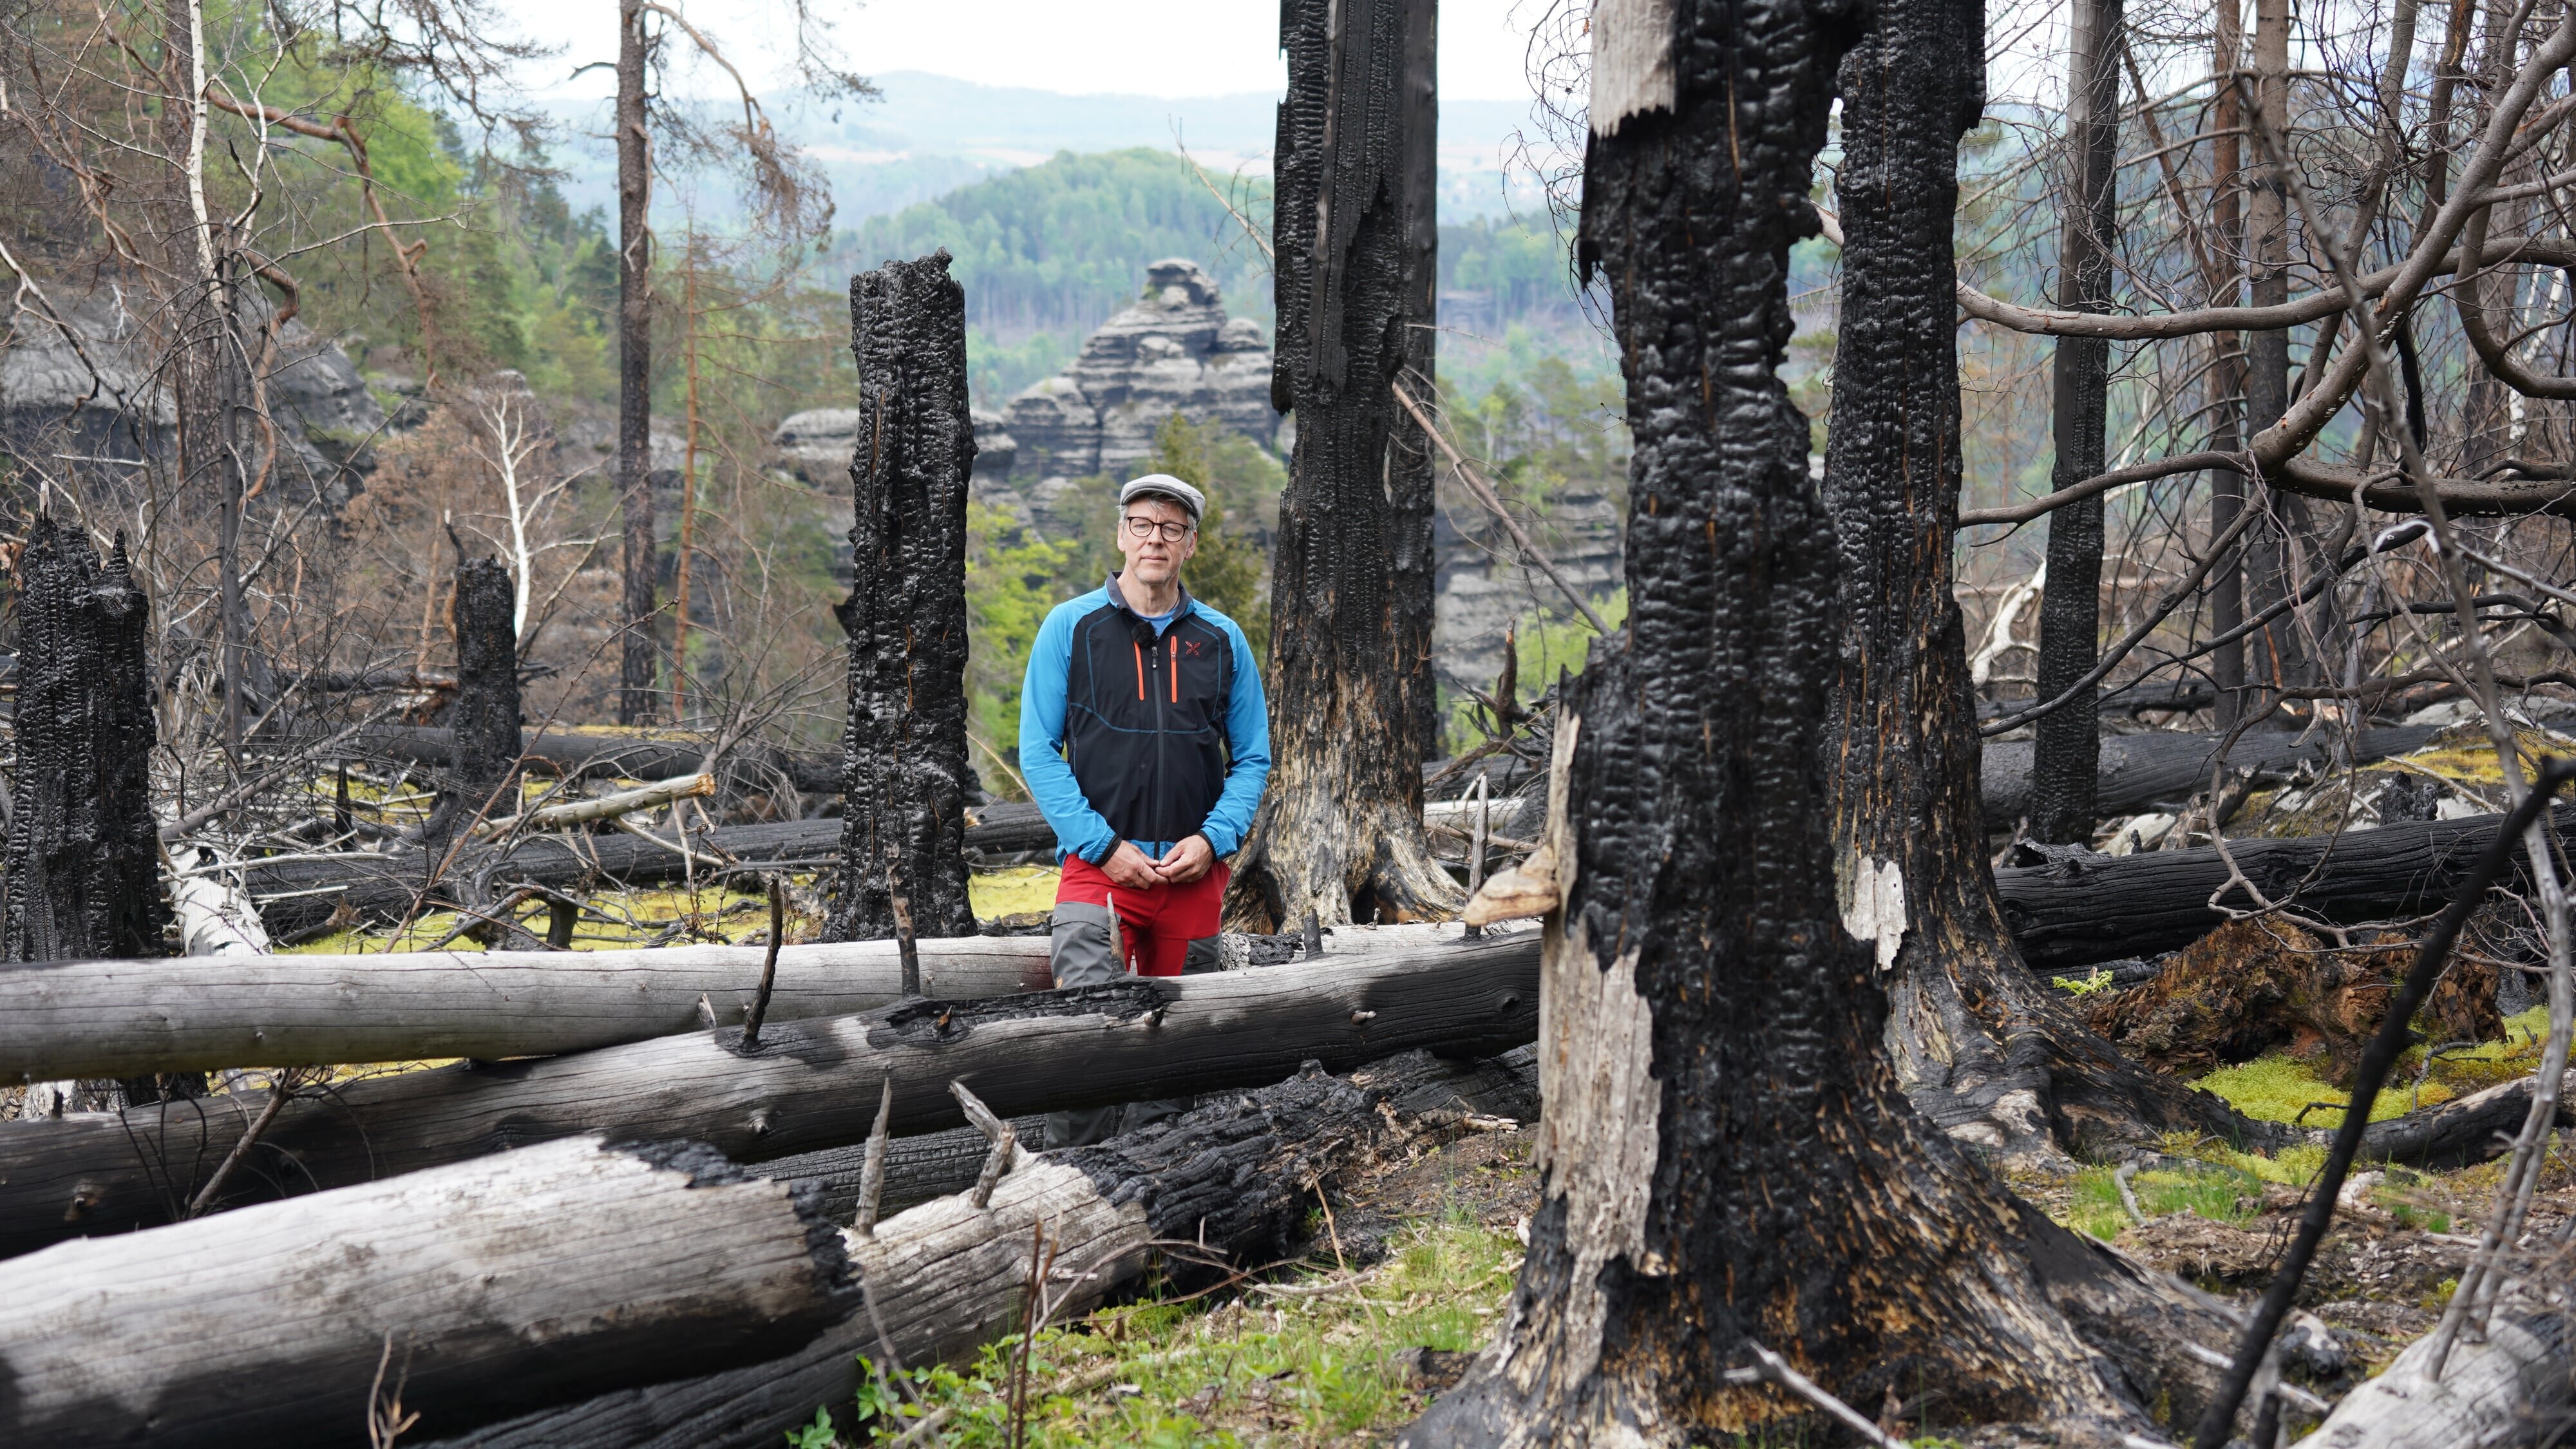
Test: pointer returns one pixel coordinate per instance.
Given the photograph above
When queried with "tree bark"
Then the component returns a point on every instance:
(1979, 1044)
(466, 1294)
(638, 557)
(2227, 368)
(2079, 908)
(1238, 1175)
(84, 866)
(2069, 741)
(84, 871)
(2159, 770)
(1727, 1155)
(591, 752)
(904, 771)
(2279, 653)
(810, 1085)
(132, 1019)
(484, 720)
(1339, 833)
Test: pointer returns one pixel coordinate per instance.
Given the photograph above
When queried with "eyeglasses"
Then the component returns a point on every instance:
(1144, 527)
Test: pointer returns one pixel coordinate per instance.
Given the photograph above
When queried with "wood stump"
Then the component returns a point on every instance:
(904, 767)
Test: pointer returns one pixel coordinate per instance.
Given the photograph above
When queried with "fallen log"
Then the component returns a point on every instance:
(811, 1084)
(135, 1018)
(300, 894)
(2507, 1389)
(2071, 908)
(464, 1295)
(1238, 1176)
(2476, 1128)
(604, 751)
(2162, 769)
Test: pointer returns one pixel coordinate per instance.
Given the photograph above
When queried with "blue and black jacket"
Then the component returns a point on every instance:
(1139, 732)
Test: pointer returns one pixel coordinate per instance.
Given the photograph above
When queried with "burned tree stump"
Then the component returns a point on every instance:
(904, 769)
(1979, 1044)
(484, 758)
(1339, 834)
(84, 863)
(84, 866)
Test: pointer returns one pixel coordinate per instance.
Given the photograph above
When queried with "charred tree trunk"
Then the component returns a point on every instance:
(1727, 1154)
(2279, 653)
(1979, 1044)
(2069, 741)
(84, 875)
(904, 773)
(1410, 486)
(84, 863)
(484, 1289)
(2226, 374)
(637, 556)
(1339, 834)
(484, 755)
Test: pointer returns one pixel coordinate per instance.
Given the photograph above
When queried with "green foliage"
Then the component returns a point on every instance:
(2082, 986)
(996, 369)
(1011, 582)
(2218, 1192)
(1325, 1368)
(1231, 570)
(2277, 1088)
(1547, 643)
(819, 1434)
(1525, 269)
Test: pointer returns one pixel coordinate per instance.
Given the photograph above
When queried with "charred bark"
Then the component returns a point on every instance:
(464, 1294)
(904, 750)
(2280, 654)
(484, 758)
(84, 857)
(1238, 1176)
(810, 1084)
(1727, 1155)
(637, 557)
(1979, 1045)
(84, 876)
(1339, 833)
(2069, 742)
(2073, 908)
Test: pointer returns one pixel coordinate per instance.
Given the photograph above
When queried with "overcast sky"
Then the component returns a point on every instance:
(1142, 47)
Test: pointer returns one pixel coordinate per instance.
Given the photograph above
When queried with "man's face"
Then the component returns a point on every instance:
(1152, 558)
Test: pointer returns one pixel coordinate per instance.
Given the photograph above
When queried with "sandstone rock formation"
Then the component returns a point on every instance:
(50, 404)
(1175, 351)
(1482, 588)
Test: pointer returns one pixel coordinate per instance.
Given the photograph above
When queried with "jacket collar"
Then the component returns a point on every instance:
(1120, 599)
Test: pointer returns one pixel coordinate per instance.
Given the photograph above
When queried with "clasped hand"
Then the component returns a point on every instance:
(1133, 869)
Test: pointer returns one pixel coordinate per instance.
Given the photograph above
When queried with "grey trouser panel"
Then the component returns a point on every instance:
(1078, 947)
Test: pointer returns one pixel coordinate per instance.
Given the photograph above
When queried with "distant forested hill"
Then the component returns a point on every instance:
(1058, 247)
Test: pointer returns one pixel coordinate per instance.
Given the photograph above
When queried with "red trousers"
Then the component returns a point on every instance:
(1155, 927)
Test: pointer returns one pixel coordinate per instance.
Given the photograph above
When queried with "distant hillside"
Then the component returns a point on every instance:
(1058, 247)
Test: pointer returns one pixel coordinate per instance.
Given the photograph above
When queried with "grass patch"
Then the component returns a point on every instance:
(1264, 1369)
(2213, 1191)
(1012, 892)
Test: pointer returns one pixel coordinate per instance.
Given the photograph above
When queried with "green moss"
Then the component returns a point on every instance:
(2278, 1088)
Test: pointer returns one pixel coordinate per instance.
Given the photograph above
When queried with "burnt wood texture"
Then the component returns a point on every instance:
(810, 1085)
(84, 864)
(1727, 1155)
(1980, 1045)
(484, 722)
(2069, 740)
(1238, 1176)
(904, 767)
(1339, 833)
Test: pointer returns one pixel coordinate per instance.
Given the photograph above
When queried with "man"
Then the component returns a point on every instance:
(1145, 738)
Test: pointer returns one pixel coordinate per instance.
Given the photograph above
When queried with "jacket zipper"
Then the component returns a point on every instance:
(1162, 799)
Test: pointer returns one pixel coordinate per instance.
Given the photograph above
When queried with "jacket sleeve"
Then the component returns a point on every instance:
(1079, 829)
(1247, 729)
